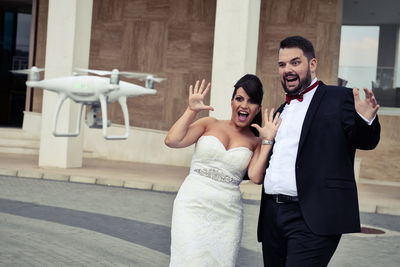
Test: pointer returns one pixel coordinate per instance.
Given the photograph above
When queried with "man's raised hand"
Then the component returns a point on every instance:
(368, 107)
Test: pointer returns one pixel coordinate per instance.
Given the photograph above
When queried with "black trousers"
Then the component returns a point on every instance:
(288, 242)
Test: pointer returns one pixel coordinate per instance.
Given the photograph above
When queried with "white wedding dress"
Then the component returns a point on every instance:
(207, 219)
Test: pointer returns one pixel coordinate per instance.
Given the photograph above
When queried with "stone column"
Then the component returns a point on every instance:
(235, 50)
(67, 47)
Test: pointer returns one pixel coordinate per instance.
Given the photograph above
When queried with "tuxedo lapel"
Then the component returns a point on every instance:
(280, 109)
(312, 109)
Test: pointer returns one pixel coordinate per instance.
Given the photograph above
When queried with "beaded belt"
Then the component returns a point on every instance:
(217, 175)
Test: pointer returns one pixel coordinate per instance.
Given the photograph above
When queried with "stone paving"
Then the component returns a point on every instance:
(374, 196)
(53, 223)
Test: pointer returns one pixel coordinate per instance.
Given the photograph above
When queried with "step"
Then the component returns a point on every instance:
(17, 141)
(19, 150)
(23, 143)
(35, 151)
(89, 154)
(15, 133)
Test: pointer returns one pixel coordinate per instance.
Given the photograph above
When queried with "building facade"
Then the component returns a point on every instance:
(186, 40)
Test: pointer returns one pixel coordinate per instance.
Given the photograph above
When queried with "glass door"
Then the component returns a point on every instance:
(15, 28)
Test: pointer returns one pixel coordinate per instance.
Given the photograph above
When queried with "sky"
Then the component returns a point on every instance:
(359, 55)
(359, 46)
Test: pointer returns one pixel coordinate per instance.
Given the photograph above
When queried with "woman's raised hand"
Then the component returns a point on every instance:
(196, 96)
(271, 125)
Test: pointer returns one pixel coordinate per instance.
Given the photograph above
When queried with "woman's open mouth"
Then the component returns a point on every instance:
(242, 115)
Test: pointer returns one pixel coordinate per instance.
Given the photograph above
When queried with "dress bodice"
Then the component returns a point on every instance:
(212, 160)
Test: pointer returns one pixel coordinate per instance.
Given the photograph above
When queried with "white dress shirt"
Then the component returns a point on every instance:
(280, 177)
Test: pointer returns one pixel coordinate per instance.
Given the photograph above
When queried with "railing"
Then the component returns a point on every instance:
(384, 82)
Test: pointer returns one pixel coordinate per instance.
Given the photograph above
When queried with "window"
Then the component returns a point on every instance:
(358, 57)
(368, 59)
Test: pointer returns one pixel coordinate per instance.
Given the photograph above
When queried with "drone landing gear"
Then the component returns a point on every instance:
(124, 107)
(60, 101)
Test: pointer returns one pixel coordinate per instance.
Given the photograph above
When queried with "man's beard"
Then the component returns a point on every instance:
(303, 84)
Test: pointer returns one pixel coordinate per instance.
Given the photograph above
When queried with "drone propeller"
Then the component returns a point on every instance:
(144, 76)
(126, 74)
(97, 72)
(156, 79)
(103, 72)
(147, 77)
(33, 73)
(28, 71)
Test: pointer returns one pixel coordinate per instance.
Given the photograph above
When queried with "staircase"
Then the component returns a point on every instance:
(15, 140)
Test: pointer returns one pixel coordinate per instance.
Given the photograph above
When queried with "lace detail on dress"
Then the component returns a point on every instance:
(218, 175)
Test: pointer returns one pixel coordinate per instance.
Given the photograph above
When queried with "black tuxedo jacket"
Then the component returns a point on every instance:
(331, 132)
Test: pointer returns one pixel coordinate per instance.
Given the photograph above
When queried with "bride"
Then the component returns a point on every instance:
(207, 217)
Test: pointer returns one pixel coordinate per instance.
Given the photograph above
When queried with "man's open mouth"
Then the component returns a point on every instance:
(291, 80)
(291, 77)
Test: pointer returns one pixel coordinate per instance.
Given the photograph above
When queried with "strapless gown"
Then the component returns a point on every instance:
(207, 218)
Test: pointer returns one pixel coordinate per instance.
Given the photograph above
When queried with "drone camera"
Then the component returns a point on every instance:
(93, 120)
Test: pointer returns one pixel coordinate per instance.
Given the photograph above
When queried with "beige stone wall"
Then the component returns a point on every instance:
(174, 39)
(170, 38)
(317, 20)
(320, 21)
(383, 163)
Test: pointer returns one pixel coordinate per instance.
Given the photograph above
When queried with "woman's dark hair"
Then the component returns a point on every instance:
(253, 87)
(301, 43)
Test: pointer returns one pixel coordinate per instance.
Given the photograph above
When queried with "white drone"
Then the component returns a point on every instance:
(94, 91)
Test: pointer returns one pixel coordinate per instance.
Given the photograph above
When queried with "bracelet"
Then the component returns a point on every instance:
(267, 142)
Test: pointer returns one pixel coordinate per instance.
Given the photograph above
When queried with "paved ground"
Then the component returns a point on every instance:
(374, 196)
(52, 223)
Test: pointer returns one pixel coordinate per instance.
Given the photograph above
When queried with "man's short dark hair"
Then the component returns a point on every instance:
(301, 43)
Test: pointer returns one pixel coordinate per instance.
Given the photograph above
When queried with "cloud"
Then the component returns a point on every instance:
(359, 46)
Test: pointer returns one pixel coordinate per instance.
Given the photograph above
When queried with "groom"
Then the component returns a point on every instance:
(309, 196)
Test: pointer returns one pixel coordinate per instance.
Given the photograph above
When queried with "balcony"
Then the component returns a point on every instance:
(384, 82)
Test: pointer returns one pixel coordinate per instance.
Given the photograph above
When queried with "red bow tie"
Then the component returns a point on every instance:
(299, 97)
